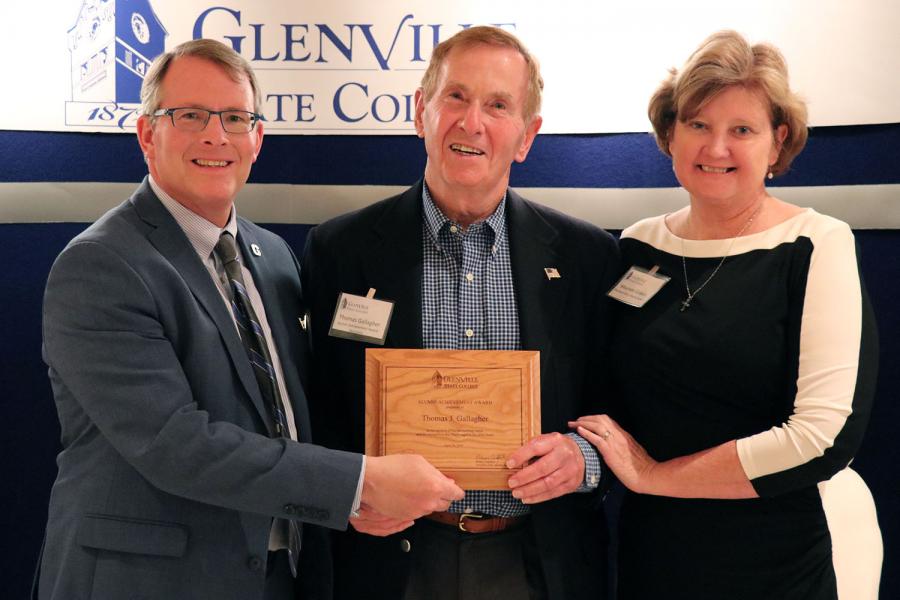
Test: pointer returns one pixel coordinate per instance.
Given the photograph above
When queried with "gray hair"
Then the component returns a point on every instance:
(233, 63)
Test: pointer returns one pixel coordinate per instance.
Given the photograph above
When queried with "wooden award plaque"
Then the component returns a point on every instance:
(465, 411)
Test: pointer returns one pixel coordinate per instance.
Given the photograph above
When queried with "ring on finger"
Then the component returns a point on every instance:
(606, 435)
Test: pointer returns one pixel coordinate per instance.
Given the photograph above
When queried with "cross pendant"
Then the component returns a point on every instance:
(685, 304)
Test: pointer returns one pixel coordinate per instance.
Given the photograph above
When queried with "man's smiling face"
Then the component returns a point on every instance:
(202, 170)
(474, 124)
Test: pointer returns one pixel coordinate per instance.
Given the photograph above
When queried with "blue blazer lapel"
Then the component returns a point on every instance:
(264, 277)
(534, 246)
(170, 240)
(393, 266)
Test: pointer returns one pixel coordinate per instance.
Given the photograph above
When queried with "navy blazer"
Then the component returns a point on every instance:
(168, 475)
(566, 319)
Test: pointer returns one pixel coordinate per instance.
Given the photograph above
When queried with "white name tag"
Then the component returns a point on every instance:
(637, 286)
(361, 318)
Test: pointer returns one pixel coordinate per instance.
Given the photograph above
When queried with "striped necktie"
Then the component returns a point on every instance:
(257, 349)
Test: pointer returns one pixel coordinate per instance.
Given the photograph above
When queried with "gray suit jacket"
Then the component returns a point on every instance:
(567, 319)
(168, 477)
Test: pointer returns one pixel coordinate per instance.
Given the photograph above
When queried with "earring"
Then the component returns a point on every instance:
(770, 175)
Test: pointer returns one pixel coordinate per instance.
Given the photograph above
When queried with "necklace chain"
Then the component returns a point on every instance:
(691, 295)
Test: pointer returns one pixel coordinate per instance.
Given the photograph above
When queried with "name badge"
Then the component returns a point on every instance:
(637, 286)
(361, 318)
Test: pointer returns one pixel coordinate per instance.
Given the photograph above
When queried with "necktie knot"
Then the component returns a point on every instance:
(225, 248)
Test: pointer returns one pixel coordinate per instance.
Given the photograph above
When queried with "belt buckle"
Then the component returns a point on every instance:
(464, 516)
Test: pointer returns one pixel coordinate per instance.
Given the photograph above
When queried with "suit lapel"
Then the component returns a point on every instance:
(393, 266)
(172, 243)
(533, 247)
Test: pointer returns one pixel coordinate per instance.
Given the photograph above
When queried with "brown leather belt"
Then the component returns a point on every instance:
(475, 522)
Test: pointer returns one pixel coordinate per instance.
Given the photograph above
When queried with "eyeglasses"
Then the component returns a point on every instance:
(196, 119)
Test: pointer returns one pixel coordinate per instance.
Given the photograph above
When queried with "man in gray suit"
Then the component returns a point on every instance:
(183, 473)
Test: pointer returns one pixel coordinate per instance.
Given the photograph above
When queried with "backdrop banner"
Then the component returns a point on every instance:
(330, 67)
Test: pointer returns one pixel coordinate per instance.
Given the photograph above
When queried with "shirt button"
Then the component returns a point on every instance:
(254, 563)
(469, 333)
(454, 229)
(405, 546)
(593, 480)
(470, 277)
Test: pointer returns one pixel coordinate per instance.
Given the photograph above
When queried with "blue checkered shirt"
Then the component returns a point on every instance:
(469, 303)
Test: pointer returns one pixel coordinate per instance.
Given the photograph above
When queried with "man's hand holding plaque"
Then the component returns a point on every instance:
(552, 466)
(399, 489)
(466, 412)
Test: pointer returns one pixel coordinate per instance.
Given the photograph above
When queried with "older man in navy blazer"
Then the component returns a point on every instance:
(179, 476)
(469, 264)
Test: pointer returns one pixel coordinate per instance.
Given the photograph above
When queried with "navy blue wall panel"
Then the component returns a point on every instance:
(862, 154)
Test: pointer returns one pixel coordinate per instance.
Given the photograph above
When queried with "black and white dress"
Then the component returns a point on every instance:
(777, 351)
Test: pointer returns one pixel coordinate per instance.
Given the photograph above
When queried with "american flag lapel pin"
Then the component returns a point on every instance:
(552, 273)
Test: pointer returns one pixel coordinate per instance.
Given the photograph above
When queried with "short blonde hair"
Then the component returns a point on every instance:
(724, 60)
(231, 62)
(492, 36)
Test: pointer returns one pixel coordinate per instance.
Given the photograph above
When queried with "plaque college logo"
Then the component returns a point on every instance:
(469, 382)
(111, 47)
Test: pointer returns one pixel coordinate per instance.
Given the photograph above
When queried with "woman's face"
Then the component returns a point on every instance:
(723, 153)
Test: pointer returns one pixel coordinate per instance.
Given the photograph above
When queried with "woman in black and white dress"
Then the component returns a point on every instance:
(747, 379)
